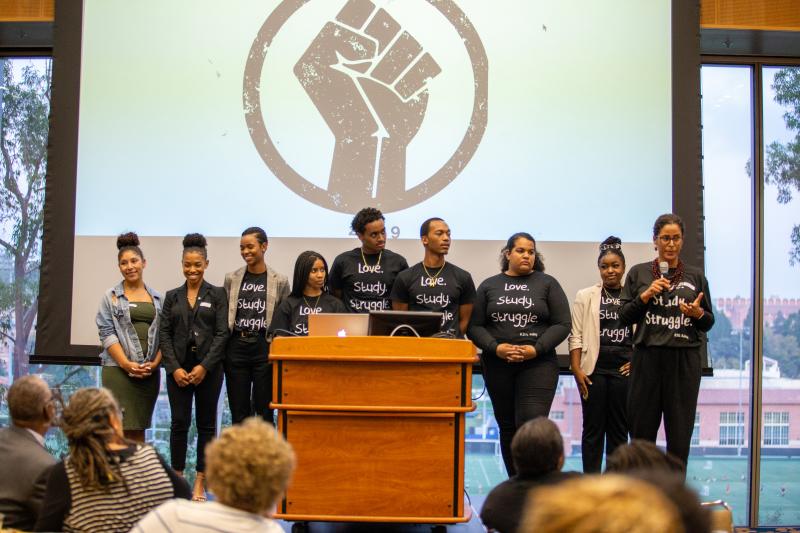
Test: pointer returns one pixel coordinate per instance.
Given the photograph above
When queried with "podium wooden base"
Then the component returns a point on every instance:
(377, 424)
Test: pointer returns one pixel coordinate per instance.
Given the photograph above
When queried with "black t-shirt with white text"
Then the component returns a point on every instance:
(292, 314)
(615, 337)
(660, 322)
(366, 286)
(439, 291)
(531, 309)
(251, 304)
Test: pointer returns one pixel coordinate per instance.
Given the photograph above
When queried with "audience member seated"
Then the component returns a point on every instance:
(23, 458)
(247, 470)
(642, 455)
(538, 454)
(644, 460)
(600, 504)
(106, 483)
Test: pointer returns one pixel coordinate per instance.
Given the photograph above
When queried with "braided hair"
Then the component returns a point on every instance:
(86, 422)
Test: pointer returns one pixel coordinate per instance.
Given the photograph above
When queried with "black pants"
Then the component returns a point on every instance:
(519, 392)
(605, 419)
(664, 381)
(206, 396)
(248, 378)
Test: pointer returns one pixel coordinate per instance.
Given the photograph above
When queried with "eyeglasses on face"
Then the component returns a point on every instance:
(667, 238)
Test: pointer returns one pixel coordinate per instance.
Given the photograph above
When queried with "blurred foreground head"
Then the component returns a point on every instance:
(600, 504)
(248, 467)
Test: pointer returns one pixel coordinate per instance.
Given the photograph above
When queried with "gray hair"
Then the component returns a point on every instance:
(27, 399)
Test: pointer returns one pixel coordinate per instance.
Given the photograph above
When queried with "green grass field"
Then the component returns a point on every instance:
(713, 478)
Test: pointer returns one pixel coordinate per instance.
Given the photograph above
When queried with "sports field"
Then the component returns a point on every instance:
(713, 478)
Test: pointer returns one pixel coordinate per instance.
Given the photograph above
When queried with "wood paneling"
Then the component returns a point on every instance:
(781, 15)
(778, 15)
(27, 10)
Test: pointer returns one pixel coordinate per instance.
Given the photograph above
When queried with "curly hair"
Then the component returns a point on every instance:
(86, 422)
(600, 504)
(248, 467)
(364, 217)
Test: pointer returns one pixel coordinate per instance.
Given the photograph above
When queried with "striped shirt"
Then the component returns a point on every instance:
(146, 483)
(203, 517)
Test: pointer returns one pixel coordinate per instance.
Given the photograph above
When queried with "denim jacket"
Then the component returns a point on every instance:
(114, 326)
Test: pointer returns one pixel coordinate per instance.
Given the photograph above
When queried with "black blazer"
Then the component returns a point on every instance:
(210, 326)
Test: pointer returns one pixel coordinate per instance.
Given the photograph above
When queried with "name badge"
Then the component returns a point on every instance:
(205, 304)
(132, 305)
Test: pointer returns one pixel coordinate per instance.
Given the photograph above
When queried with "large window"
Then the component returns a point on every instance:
(731, 429)
(779, 502)
(776, 428)
(719, 457)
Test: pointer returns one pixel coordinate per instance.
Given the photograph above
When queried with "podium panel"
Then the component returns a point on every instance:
(374, 469)
(369, 383)
(377, 424)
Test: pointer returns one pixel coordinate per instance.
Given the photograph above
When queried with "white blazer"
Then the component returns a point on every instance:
(585, 332)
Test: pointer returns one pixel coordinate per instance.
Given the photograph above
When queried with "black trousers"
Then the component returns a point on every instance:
(605, 420)
(248, 378)
(519, 392)
(665, 381)
(206, 396)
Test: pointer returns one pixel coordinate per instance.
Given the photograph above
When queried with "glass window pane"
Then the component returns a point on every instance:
(718, 462)
(779, 502)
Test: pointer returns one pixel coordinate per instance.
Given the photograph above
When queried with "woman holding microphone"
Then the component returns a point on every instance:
(669, 303)
(600, 355)
(193, 333)
(519, 317)
(127, 323)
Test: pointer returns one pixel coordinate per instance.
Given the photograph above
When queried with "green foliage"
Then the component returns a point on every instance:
(724, 343)
(782, 343)
(782, 167)
(24, 126)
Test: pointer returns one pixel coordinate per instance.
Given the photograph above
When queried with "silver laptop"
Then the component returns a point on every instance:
(338, 325)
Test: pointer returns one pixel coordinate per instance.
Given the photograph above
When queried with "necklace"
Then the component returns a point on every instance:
(364, 258)
(608, 295)
(312, 310)
(431, 281)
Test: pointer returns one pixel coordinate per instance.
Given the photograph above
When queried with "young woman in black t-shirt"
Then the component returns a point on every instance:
(254, 292)
(309, 296)
(519, 318)
(672, 313)
(600, 355)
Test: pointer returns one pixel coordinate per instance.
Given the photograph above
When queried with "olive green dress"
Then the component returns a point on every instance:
(136, 397)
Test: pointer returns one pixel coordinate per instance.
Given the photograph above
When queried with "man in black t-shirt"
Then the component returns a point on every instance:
(436, 285)
(362, 278)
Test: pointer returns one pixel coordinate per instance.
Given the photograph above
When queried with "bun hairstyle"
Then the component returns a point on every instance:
(612, 245)
(538, 261)
(665, 219)
(128, 242)
(195, 242)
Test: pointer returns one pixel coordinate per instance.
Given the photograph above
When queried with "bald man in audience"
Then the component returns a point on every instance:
(23, 457)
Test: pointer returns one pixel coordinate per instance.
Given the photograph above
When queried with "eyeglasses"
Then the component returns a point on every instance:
(666, 239)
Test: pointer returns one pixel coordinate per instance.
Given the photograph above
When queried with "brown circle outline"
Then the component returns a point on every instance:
(421, 192)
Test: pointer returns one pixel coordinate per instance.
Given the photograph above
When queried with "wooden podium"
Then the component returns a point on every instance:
(377, 424)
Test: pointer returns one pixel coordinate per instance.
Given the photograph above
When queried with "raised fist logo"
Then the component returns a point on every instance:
(367, 77)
